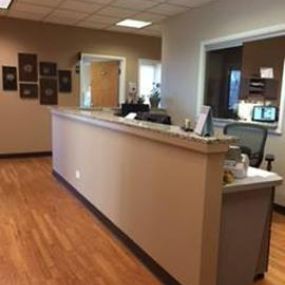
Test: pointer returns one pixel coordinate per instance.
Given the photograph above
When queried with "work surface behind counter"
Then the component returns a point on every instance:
(256, 179)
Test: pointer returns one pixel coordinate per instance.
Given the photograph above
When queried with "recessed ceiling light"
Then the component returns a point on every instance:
(136, 24)
(5, 4)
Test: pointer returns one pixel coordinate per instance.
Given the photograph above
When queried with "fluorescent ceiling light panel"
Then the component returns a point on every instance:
(5, 4)
(136, 24)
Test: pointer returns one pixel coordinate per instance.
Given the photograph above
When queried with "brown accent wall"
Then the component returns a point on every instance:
(24, 124)
(264, 53)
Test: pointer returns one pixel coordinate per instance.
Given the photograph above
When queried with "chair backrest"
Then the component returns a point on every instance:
(252, 139)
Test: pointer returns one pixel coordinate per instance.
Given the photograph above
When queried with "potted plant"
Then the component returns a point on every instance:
(141, 100)
(155, 96)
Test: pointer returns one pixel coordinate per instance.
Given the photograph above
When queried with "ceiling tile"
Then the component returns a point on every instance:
(60, 20)
(102, 14)
(168, 9)
(48, 3)
(189, 3)
(92, 25)
(80, 6)
(149, 33)
(159, 1)
(156, 28)
(132, 31)
(101, 2)
(116, 12)
(67, 15)
(103, 19)
(137, 5)
(3, 12)
(25, 15)
(30, 8)
(122, 29)
(149, 17)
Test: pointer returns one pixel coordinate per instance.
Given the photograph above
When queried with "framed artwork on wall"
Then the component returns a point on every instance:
(29, 91)
(65, 81)
(48, 69)
(28, 67)
(48, 91)
(9, 78)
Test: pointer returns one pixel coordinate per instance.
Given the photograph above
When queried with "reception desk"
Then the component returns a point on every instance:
(160, 187)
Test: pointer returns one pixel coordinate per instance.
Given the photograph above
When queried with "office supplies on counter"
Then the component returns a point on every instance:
(236, 162)
(205, 127)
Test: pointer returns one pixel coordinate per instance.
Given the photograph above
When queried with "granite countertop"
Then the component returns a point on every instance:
(107, 115)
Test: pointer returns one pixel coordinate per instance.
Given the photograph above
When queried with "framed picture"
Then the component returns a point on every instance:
(48, 69)
(29, 91)
(9, 74)
(65, 81)
(28, 67)
(48, 93)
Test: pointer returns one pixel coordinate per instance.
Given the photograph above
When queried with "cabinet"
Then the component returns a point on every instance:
(259, 87)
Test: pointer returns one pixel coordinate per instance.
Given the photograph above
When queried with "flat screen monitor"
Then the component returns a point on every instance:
(265, 114)
(134, 108)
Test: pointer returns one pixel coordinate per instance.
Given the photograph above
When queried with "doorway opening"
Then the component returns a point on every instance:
(102, 81)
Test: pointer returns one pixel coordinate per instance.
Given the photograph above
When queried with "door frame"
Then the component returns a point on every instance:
(89, 58)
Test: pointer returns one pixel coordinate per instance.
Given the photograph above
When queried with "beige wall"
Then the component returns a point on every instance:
(181, 51)
(24, 124)
(159, 190)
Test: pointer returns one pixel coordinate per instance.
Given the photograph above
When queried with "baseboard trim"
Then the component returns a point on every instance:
(25, 155)
(279, 209)
(148, 261)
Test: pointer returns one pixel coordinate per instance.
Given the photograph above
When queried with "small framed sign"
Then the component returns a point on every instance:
(9, 74)
(48, 69)
(204, 125)
(29, 91)
(65, 81)
(48, 95)
(28, 67)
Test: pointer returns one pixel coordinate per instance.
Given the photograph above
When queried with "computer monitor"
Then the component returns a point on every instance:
(265, 114)
(134, 108)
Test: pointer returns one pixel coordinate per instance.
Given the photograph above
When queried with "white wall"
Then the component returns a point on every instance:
(181, 50)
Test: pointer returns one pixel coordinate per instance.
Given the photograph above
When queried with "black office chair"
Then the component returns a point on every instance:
(252, 139)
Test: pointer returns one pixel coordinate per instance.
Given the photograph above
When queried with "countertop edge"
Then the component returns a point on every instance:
(150, 131)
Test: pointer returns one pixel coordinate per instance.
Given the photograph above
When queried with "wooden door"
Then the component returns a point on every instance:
(105, 84)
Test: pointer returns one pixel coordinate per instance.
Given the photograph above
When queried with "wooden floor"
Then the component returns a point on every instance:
(276, 274)
(48, 237)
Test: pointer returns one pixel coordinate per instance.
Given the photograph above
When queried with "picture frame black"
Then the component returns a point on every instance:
(29, 91)
(65, 81)
(28, 67)
(48, 69)
(9, 78)
(48, 91)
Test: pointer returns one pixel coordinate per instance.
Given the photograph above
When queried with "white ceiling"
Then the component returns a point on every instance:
(102, 14)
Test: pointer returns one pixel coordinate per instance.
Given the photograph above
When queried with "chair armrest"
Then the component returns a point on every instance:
(269, 158)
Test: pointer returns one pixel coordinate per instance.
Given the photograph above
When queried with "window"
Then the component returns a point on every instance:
(149, 73)
(234, 89)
